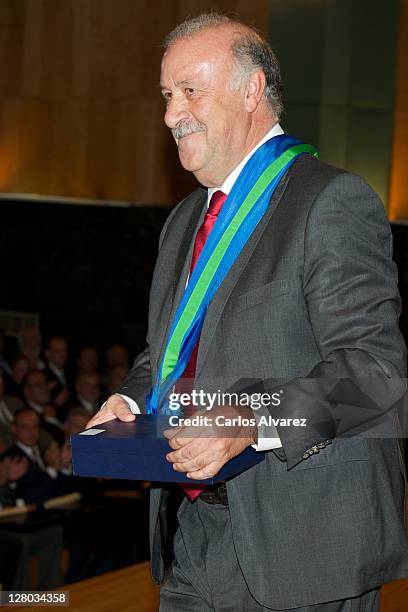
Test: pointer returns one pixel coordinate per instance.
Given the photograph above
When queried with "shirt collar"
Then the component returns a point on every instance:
(59, 373)
(86, 404)
(230, 180)
(39, 409)
(28, 450)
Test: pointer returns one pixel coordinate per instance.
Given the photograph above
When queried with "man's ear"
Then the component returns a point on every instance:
(254, 90)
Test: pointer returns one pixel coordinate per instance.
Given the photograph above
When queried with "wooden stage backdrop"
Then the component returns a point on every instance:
(81, 113)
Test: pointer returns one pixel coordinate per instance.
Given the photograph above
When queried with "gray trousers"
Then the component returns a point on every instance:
(206, 576)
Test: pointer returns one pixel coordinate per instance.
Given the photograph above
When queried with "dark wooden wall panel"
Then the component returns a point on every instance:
(80, 110)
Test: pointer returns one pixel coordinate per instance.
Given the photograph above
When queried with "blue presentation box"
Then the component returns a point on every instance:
(137, 451)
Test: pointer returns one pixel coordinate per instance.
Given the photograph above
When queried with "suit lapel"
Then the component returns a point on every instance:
(217, 305)
(182, 264)
(182, 267)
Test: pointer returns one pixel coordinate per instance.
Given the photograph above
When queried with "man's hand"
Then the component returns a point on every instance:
(201, 451)
(114, 408)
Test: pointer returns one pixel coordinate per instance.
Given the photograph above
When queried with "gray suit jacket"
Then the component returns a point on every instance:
(313, 293)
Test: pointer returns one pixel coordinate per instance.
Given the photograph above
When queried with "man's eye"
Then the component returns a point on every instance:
(166, 95)
(189, 91)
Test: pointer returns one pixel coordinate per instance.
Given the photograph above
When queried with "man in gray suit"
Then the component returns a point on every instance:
(310, 298)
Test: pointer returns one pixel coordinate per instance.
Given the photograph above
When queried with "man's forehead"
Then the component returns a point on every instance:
(57, 343)
(183, 73)
(202, 48)
(27, 417)
(183, 69)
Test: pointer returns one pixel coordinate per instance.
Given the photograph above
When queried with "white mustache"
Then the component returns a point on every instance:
(185, 128)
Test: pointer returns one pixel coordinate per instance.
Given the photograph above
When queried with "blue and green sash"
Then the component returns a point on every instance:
(238, 218)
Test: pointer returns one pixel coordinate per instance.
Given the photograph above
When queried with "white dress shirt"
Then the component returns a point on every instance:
(40, 411)
(6, 417)
(268, 437)
(33, 452)
(60, 374)
(89, 406)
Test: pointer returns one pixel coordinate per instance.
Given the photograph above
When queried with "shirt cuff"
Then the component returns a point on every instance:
(268, 437)
(52, 472)
(133, 406)
(66, 471)
(131, 403)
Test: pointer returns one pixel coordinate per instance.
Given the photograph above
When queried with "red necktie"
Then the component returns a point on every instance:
(217, 200)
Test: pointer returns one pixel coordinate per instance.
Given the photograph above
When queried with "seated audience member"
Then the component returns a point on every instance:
(57, 357)
(88, 392)
(11, 469)
(88, 360)
(59, 459)
(91, 489)
(19, 368)
(41, 481)
(116, 376)
(30, 342)
(116, 355)
(37, 392)
(4, 364)
(44, 543)
(8, 407)
(75, 421)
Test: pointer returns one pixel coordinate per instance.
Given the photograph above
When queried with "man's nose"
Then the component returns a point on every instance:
(176, 110)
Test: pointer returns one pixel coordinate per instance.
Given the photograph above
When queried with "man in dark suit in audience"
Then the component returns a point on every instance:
(19, 368)
(88, 391)
(30, 345)
(37, 392)
(4, 363)
(17, 549)
(55, 370)
(41, 480)
(9, 405)
(88, 360)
